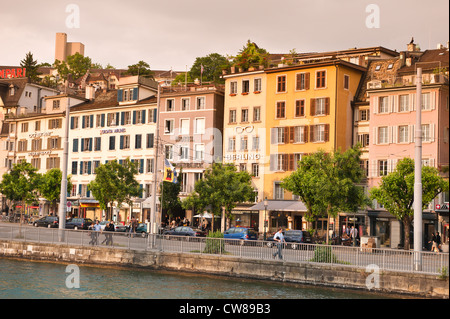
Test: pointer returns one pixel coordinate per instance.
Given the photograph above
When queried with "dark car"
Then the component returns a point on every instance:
(47, 221)
(79, 223)
(184, 231)
(240, 235)
(293, 238)
(142, 229)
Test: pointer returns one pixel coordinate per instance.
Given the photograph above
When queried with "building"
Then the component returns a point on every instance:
(63, 49)
(391, 92)
(190, 131)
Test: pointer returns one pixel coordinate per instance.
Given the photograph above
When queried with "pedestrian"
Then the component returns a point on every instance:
(434, 243)
(438, 242)
(96, 232)
(108, 236)
(354, 234)
(279, 238)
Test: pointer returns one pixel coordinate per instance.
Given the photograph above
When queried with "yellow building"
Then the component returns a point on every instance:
(308, 108)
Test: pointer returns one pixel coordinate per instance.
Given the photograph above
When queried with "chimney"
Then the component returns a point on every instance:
(90, 92)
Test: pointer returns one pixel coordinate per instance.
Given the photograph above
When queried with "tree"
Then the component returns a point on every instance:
(328, 183)
(141, 68)
(212, 64)
(251, 55)
(182, 79)
(115, 183)
(221, 188)
(21, 183)
(396, 192)
(50, 186)
(31, 66)
(171, 203)
(77, 65)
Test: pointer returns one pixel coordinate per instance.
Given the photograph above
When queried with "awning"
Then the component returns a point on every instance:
(281, 205)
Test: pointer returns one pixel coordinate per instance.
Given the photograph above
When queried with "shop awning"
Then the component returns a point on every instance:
(281, 205)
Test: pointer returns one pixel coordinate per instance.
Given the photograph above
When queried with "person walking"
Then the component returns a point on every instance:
(108, 236)
(97, 229)
(438, 242)
(279, 238)
(433, 241)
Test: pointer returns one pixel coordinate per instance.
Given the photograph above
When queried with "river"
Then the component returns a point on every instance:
(21, 279)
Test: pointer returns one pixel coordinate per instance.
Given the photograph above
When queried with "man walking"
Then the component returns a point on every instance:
(279, 238)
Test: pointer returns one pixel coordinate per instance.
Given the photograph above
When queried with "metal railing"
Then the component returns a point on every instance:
(332, 255)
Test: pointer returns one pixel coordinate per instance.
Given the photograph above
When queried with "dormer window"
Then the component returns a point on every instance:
(390, 66)
(126, 95)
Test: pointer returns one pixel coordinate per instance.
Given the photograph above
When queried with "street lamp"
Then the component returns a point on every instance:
(265, 216)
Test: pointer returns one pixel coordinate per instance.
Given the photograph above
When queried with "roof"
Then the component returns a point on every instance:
(428, 61)
(19, 85)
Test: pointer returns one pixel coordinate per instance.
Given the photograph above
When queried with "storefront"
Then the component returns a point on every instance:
(89, 208)
(245, 218)
(442, 212)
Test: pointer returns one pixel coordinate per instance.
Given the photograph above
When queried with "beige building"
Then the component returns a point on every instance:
(63, 49)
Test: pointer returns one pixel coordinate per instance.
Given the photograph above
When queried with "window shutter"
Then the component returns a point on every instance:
(134, 117)
(81, 167)
(327, 132)
(79, 189)
(433, 100)
(327, 106)
(82, 145)
(273, 135)
(432, 132)
(291, 133)
(291, 162)
(286, 134)
(141, 166)
(89, 167)
(120, 95)
(273, 162)
(143, 121)
(72, 123)
(312, 107)
(305, 134)
(90, 144)
(375, 100)
(150, 140)
(307, 81)
(375, 136)
(121, 142)
(91, 122)
(155, 114)
(74, 168)
(135, 94)
(83, 120)
(311, 133)
(122, 119)
(116, 120)
(75, 145)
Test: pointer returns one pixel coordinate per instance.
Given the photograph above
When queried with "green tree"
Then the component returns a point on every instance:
(221, 188)
(77, 65)
(171, 203)
(115, 183)
(396, 192)
(327, 183)
(21, 184)
(50, 186)
(251, 55)
(180, 79)
(31, 66)
(141, 68)
(213, 64)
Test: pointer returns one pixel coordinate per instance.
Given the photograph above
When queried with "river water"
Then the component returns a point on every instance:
(26, 279)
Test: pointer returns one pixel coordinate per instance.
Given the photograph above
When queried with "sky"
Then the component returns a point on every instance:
(172, 34)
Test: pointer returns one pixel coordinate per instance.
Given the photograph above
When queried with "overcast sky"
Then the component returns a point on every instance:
(171, 34)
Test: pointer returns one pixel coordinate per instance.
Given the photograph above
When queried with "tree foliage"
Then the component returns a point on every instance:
(251, 55)
(77, 65)
(396, 192)
(141, 68)
(115, 183)
(171, 203)
(222, 187)
(50, 186)
(328, 183)
(31, 66)
(213, 64)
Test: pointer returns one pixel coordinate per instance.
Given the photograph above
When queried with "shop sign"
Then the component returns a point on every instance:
(40, 134)
(110, 131)
(443, 206)
(244, 156)
(13, 73)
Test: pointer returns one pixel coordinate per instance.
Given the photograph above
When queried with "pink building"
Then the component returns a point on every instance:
(392, 123)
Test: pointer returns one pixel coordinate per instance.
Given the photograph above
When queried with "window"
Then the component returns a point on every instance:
(383, 135)
(403, 134)
(255, 143)
(54, 124)
(281, 84)
(138, 141)
(22, 146)
(36, 145)
(232, 116)
(278, 191)
(382, 167)
(150, 165)
(320, 106)
(426, 133)
(199, 150)
(346, 82)
(100, 120)
(300, 134)
(245, 86)
(302, 81)
(37, 125)
(112, 143)
(152, 115)
(53, 162)
(257, 85)
(184, 152)
(87, 121)
(184, 126)
(256, 114)
(364, 115)
(363, 139)
(24, 127)
(56, 104)
(255, 169)
(201, 103)
(278, 135)
(319, 133)
(281, 110)
(244, 115)
(36, 163)
(233, 87)
(299, 108)
(426, 103)
(126, 118)
(54, 143)
(185, 104)
(112, 119)
(150, 140)
(231, 144)
(168, 150)
(199, 126)
(168, 127)
(383, 104)
(139, 117)
(124, 142)
(320, 79)
(170, 105)
(86, 144)
(404, 103)
(242, 167)
(244, 143)
(390, 66)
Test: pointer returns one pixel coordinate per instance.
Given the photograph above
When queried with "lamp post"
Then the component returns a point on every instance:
(265, 217)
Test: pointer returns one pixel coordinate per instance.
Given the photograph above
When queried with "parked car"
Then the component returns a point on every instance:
(142, 229)
(47, 221)
(240, 235)
(79, 223)
(118, 226)
(185, 231)
(293, 238)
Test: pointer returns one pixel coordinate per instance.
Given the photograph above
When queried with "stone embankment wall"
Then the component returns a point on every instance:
(305, 273)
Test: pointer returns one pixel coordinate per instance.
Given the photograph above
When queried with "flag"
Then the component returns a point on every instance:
(170, 175)
(201, 68)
